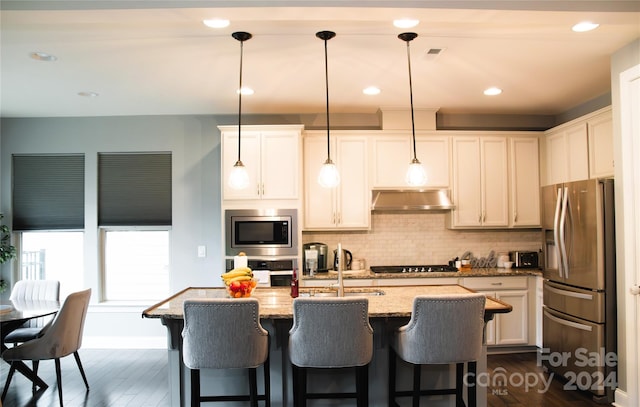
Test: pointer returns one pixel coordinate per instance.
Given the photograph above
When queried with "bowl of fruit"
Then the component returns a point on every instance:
(239, 282)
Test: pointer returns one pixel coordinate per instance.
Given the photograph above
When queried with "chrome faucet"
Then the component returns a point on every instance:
(340, 266)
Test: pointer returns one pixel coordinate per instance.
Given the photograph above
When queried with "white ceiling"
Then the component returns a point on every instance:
(155, 58)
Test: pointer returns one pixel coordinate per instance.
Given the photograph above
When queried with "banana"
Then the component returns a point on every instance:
(239, 278)
(239, 272)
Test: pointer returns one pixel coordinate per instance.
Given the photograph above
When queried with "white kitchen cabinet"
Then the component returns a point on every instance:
(580, 149)
(512, 328)
(271, 155)
(524, 182)
(600, 131)
(567, 154)
(480, 182)
(392, 153)
(347, 206)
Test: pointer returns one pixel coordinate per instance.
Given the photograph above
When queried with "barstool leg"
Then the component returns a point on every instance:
(416, 385)
(267, 383)
(195, 388)
(253, 387)
(392, 378)
(362, 385)
(459, 384)
(471, 390)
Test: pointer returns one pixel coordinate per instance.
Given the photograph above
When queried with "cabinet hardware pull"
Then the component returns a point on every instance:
(496, 283)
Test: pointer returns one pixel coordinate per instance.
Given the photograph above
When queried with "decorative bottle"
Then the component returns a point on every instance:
(294, 283)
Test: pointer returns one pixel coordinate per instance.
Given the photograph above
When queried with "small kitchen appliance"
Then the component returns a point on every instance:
(347, 258)
(321, 264)
(525, 260)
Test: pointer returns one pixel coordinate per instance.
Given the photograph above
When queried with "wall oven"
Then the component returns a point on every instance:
(261, 232)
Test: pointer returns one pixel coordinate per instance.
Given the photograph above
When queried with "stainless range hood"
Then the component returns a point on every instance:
(410, 200)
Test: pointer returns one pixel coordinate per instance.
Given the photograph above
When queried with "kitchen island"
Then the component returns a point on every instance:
(389, 307)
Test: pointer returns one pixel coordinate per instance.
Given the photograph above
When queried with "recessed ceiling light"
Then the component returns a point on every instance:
(371, 90)
(405, 23)
(585, 26)
(43, 56)
(492, 91)
(216, 23)
(245, 91)
(85, 94)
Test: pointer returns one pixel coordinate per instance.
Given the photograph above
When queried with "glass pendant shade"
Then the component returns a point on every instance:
(329, 176)
(239, 177)
(416, 174)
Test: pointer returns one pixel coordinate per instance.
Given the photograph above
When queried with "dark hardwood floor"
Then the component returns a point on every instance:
(117, 378)
(138, 378)
(521, 368)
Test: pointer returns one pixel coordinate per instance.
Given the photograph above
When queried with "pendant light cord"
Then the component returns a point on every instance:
(413, 127)
(326, 81)
(240, 98)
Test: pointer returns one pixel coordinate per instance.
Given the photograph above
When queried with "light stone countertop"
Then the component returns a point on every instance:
(476, 272)
(276, 302)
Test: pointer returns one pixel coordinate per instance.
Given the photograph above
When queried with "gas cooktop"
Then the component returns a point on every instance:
(413, 269)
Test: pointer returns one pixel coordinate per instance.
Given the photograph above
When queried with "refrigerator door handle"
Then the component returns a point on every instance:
(563, 220)
(571, 324)
(556, 233)
(567, 293)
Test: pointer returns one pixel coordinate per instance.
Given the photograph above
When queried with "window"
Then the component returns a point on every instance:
(134, 214)
(136, 265)
(53, 256)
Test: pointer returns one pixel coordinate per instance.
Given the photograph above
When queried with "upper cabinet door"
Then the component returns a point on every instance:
(250, 156)
(480, 182)
(524, 182)
(280, 165)
(347, 206)
(567, 154)
(433, 153)
(494, 181)
(271, 155)
(600, 129)
(319, 202)
(392, 153)
(466, 182)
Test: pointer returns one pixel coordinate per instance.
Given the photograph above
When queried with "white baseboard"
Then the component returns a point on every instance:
(124, 342)
(621, 399)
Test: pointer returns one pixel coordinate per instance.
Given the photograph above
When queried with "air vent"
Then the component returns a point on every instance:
(433, 53)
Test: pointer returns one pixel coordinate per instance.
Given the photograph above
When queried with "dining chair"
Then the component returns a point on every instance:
(330, 333)
(32, 290)
(443, 329)
(224, 333)
(60, 338)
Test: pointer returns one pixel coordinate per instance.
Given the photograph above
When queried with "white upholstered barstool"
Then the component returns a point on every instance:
(443, 329)
(330, 333)
(225, 333)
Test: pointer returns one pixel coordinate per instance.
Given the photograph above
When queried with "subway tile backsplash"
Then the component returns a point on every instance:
(422, 238)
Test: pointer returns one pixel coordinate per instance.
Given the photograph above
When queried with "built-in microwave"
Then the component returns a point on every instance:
(261, 232)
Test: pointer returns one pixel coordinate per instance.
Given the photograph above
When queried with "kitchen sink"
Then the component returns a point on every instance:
(333, 292)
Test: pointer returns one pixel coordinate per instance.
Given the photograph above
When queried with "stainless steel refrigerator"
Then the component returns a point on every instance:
(579, 296)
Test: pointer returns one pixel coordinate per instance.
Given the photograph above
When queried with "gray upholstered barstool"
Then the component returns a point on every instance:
(443, 329)
(330, 333)
(225, 333)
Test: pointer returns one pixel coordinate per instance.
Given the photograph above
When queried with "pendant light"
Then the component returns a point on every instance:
(329, 176)
(416, 175)
(239, 178)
